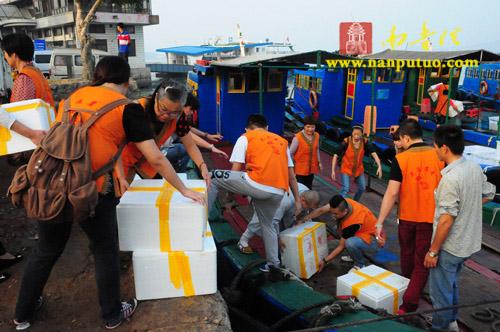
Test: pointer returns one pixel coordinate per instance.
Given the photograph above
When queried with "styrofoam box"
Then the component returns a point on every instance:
(493, 122)
(182, 176)
(374, 295)
(33, 113)
(138, 219)
(290, 256)
(152, 272)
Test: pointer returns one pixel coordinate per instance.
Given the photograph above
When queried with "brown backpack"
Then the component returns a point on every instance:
(59, 171)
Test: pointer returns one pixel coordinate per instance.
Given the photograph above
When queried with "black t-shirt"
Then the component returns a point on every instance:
(396, 173)
(183, 126)
(136, 124)
(369, 148)
(350, 231)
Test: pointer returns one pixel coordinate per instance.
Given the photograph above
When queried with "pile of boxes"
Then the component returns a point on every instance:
(35, 114)
(174, 253)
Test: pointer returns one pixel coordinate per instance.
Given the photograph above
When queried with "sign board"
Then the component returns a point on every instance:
(355, 38)
(40, 45)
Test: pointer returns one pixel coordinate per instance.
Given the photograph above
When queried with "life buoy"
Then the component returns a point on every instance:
(483, 87)
(313, 99)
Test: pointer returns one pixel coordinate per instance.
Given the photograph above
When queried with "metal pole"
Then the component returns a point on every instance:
(450, 80)
(261, 92)
(372, 104)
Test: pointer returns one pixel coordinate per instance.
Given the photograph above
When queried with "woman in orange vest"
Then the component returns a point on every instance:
(305, 152)
(164, 109)
(352, 151)
(105, 137)
(357, 225)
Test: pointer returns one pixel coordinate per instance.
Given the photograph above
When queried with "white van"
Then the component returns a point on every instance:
(63, 62)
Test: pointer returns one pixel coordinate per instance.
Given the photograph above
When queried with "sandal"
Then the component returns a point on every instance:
(5, 263)
(4, 276)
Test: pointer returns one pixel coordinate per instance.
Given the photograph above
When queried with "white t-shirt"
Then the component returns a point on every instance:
(6, 120)
(239, 155)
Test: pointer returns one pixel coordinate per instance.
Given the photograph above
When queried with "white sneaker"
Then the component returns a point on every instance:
(453, 326)
(346, 258)
(354, 268)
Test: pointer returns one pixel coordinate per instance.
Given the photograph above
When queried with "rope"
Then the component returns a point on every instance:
(392, 317)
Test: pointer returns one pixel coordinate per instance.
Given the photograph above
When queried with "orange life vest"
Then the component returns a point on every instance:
(421, 170)
(133, 160)
(107, 134)
(42, 88)
(352, 161)
(306, 156)
(442, 102)
(266, 159)
(360, 215)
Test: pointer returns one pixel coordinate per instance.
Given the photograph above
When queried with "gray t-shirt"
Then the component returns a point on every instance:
(286, 211)
(459, 194)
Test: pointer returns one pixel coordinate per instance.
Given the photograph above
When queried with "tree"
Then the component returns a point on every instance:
(82, 27)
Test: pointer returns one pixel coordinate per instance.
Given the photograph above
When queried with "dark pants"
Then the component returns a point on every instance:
(415, 240)
(123, 55)
(306, 180)
(2, 249)
(103, 243)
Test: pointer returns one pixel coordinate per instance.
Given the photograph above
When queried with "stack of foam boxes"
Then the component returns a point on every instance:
(34, 113)
(174, 253)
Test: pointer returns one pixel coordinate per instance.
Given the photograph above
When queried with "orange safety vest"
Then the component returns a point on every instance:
(42, 88)
(421, 170)
(107, 134)
(266, 158)
(306, 156)
(360, 215)
(133, 160)
(352, 161)
(442, 102)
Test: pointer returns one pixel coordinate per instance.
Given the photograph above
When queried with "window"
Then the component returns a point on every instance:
(130, 29)
(398, 76)
(367, 75)
(253, 81)
(297, 81)
(319, 85)
(100, 44)
(78, 60)
(48, 32)
(476, 73)
(58, 31)
(306, 82)
(445, 72)
(497, 76)
(236, 83)
(62, 60)
(69, 29)
(131, 48)
(97, 28)
(384, 75)
(302, 81)
(435, 71)
(42, 58)
(490, 74)
(275, 81)
(38, 34)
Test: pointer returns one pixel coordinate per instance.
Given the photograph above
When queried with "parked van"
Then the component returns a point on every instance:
(63, 62)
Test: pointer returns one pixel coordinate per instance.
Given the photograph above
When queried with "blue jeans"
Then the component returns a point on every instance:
(359, 249)
(178, 157)
(346, 184)
(443, 288)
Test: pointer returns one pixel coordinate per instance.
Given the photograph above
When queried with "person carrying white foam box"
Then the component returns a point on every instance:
(357, 225)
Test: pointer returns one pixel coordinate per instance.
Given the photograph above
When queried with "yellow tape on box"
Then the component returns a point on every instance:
(28, 105)
(369, 280)
(312, 230)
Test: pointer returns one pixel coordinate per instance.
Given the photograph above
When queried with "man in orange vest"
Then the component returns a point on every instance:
(357, 225)
(269, 174)
(352, 151)
(415, 174)
(305, 152)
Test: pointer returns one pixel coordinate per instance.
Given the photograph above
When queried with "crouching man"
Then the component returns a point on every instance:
(357, 226)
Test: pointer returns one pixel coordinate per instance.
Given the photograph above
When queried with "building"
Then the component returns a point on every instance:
(54, 21)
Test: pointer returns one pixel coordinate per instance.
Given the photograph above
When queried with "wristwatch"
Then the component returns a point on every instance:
(325, 261)
(433, 254)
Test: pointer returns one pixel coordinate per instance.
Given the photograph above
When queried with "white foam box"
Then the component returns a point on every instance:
(305, 247)
(141, 228)
(374, 287)
(160, 275)
(33, 113)
(493, 123)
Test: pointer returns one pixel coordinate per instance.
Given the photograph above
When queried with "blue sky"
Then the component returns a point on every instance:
(314, 24)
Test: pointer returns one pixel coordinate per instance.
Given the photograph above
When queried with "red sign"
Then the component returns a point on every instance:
(355, 38)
